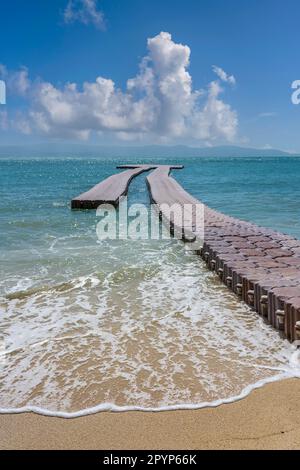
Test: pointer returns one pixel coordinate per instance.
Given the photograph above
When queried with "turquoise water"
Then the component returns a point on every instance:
(35, 194)
(75, 311)
(261, 190)
(35, 203)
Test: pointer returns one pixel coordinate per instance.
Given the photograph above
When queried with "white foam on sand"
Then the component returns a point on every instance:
(105, 407)
(150, 330)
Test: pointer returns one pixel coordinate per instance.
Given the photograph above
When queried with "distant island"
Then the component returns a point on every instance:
(147, 151)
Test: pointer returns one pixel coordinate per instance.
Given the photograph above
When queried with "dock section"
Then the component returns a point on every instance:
(261, 266)
(110, 190)
(166, 193)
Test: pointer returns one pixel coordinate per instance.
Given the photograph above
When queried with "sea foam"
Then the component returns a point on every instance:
(158, 333)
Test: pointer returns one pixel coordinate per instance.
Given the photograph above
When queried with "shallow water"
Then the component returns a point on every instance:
(89, 325)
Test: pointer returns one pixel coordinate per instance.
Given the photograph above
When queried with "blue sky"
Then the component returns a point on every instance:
(176, 96)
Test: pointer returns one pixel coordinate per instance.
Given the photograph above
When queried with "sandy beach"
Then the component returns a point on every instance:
(267, 419)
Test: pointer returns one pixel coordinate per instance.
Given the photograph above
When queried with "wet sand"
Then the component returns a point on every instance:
(267, 419)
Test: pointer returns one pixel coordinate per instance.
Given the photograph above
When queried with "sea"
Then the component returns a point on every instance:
(89, 325)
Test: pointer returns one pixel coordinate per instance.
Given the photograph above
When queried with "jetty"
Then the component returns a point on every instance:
(261, 266)
(110, 190)
(166, 193)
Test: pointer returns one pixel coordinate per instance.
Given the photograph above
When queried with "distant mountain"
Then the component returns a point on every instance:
(149, 151)
(180, 151)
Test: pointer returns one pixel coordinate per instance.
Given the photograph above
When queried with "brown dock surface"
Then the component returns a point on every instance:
(166, 193)
(260, 265)
(110, 190)
(165, 189)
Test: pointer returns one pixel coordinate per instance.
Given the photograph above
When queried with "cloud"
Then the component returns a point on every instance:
(159, 103)
(267, 115)
(217, 119)
(223, 75)
(84, 11)
(17, 82)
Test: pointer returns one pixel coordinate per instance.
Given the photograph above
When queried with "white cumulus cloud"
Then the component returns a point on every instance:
(84, 11)
(158, 104)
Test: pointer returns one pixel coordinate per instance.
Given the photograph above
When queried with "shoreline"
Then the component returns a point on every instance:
(268, 418)
(112, 408)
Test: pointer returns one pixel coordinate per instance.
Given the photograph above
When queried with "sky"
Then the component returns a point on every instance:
(138, 72)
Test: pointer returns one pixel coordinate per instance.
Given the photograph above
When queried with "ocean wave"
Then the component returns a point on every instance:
(135, 338)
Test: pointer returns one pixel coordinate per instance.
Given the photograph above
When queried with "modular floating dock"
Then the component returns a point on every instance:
(110, 190)
(261, 266)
